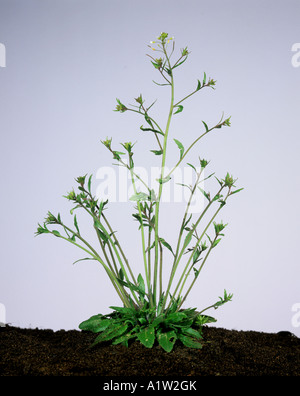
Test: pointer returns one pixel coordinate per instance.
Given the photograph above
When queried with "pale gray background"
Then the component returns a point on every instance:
(66, 63)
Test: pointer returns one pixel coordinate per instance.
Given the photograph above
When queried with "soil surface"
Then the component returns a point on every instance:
(36, 352)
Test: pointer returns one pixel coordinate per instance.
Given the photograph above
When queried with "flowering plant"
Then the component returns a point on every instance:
(149, 311)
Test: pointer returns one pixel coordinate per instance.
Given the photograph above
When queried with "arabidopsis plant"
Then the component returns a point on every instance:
(151, 308)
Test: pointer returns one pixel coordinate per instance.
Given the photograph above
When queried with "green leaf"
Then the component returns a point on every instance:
(189, 342)
(188, 239)
(140, 196)
(196, 256)
(167, 340)
(87, 258)
(164, 180)
(192, 166)
(180, 63)
(117, 154)
(76, 224)
(175, 317)
(113, 331)
(186, 222)
(205, 125)
(97, 224)
(207, 195)
(219, 181)
(180, 146)
(179, 110)
(121, 274)
(147, 336)
(167, 245)
(42, 230)
(123, 310)
(236, 191)
(157, 152)
(204, 79)
(192, 333)
(141, 284)
(159, 319)
(159, 308)
(89, 184)
(156, 65)
(95, 323)
(56, 233)
(103, 236)
(151, 130)
(72, 210)
(124, 338)
(198, 85)
(130, 286)
(73, 238)
(203, 319)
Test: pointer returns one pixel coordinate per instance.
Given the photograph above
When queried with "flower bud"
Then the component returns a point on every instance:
(71, 196)
(120, 107)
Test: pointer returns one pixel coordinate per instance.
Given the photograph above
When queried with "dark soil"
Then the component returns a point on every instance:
(35, 352)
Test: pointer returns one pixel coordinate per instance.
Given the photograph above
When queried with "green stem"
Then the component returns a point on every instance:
(192, 145)
(149, 252)
(186, 212)
(116, 243)
(154, 122)
(104, 253)
(196, 276)
(160, 271)
(186, 97)
(161, 178)
(176, 263)
(199, 240)
(114, 248)
(197, 244)
(143, 237)
(95, 255)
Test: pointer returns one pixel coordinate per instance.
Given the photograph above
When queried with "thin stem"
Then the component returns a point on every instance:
(186, 212)
(197, 244)
(116, 243)
(160, 271)
(143, 235)
(114, 248)
(186, 97)
(149, 252)
(95, 255)
(135, 174)
(199, 240)
(105, 254)
(161, 178)
(190, 233)
(196, 276)
(153, 121)
(186, 152)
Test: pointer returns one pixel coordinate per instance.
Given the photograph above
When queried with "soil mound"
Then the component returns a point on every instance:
(36, 352)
